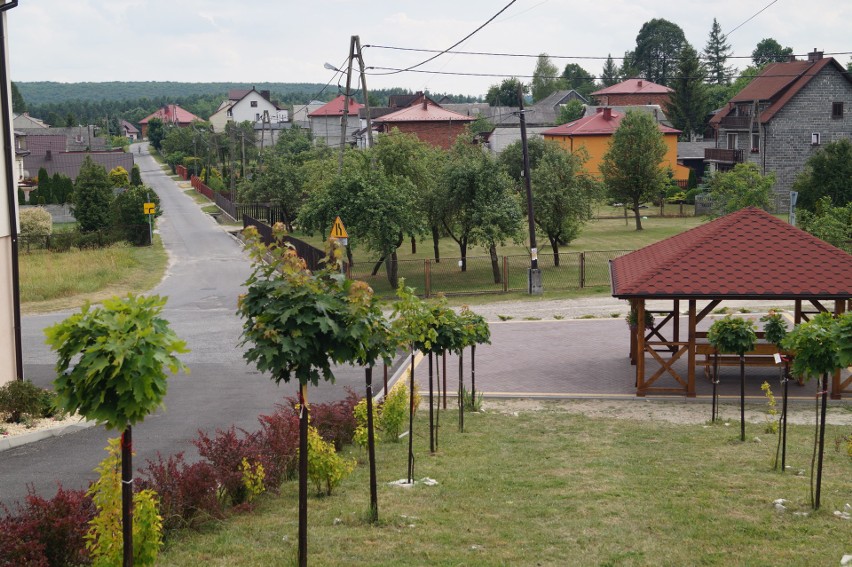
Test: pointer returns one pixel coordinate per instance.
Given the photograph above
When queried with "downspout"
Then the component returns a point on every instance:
(8, 149)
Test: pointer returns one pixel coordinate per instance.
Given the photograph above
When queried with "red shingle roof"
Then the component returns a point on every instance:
(596, 125)
(431, 112)
(748, 254)
(634, 86)
(335, 108)
(171, 114)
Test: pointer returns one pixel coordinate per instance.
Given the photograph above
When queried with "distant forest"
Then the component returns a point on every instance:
(61, 104)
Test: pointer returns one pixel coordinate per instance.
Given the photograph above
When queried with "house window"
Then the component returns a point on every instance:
(257, 117)
(732, 141)
(230, 113)
(837, 110)
(815, 139)
(254, 104)
(755, 143)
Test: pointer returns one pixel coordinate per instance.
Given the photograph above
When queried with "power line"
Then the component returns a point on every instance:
(465, 38)
(753, 16)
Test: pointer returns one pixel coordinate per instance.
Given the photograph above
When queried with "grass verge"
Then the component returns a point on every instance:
(63, 280)
(549, 487)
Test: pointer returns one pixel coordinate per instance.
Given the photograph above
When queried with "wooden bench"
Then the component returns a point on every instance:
(762, 355)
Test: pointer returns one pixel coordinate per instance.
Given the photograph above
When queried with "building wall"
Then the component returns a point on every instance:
(597, 146)
(439, 134)
(328, 128)
(632, 99)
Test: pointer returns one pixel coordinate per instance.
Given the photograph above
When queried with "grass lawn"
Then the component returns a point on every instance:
(61, 280)
(548, 487)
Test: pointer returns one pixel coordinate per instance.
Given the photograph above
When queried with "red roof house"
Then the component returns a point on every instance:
(427, 120)
(748, 254)
(325, 120)
(169, 114)
(633, 92)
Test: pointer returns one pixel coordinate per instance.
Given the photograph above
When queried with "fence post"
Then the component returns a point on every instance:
(505, 275)
(427, 277)
(582, 270)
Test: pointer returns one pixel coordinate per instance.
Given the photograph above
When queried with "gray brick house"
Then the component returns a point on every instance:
(782, 117)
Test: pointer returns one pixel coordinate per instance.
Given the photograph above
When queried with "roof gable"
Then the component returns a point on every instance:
(335, 108)
(171, 113)
(634, 86)
(599, 124)
(746, 254)
(426, 111)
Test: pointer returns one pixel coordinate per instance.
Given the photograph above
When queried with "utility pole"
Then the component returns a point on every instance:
(534, 279)
(364, 90)
(344, 116)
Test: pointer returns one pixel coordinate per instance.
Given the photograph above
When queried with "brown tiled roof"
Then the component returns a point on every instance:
(597, 124)
(171, 114)
(430, 112)
(335, 108)
(41, 144)
(778, 83)
(68, 163)
(748, 254)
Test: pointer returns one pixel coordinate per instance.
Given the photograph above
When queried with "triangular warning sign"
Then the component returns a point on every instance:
(338, 230)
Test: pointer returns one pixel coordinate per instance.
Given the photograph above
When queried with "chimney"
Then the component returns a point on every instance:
(599, 109)
(424, 103)
(607, 113)
(814, 55)
(639, 84)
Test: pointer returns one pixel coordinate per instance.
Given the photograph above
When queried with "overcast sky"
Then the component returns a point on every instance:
(282, 41)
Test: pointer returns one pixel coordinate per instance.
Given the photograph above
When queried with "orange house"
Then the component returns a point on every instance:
(594, 134)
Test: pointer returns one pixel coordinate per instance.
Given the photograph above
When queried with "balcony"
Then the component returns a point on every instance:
(722, 155)
(736, 123)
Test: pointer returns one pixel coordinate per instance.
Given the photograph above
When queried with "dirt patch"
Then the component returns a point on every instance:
(679, 412)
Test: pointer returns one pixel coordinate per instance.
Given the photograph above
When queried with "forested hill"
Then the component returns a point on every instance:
(48, 92)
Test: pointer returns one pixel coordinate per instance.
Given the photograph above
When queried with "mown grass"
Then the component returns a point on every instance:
(548, 487)
(59, 280)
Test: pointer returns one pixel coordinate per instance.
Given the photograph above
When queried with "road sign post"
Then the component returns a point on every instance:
(338, 231)
(150, 209)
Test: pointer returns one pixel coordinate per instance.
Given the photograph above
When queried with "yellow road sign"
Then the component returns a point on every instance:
(338, 230)
(149, 208)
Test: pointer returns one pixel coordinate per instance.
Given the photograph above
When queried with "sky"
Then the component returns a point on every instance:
(254, 41)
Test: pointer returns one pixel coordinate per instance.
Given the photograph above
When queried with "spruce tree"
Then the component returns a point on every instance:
(610, 74)
(44, 186)
(92, 197)
(717, 52)
(689, 102)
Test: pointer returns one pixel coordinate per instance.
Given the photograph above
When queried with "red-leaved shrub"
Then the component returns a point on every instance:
(278, 441)
(47, 531)
(187, 492)
(335, 421)
(225, 453)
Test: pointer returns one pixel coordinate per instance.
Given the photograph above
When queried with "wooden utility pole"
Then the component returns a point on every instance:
(344, 115)
(364, 90)
(534, 278)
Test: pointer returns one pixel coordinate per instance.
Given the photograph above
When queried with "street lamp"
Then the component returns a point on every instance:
(534, 278)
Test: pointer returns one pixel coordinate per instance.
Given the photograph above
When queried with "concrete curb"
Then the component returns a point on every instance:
(58, 431)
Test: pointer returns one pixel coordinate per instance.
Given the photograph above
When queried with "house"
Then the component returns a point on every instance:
(782, 117)
(247, 105)
(68, 163)
(427, 120)
(131, 132)
(325, 121)
(169, 114)
(301, 112)
(633, 92)
(77, 138)
(593, 133)
(26, 121)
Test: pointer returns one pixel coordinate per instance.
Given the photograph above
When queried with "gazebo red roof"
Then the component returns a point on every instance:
(748, 254)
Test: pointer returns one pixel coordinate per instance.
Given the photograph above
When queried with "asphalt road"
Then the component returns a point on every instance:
(206, 270)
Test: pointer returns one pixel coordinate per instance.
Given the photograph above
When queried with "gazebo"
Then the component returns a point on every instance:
(746, 255)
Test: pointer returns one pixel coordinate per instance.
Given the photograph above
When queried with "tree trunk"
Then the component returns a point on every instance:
(824, 389)
(742, 397)
(431, 409)
(376, 266)
(303, 477)
(636, 214)
(461, 391)
(495, 263)
(463, 254)
(371, 448)
(127, 495)
(411, 423)
(436, 239)
(349, 256)
(392, 268)
(554, 243)
(413, 245)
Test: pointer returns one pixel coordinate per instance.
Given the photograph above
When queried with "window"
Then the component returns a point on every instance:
(815, 139)
(837, 110)
(755, 143)
(257, 116)
(230, 113)
(254, 104)
(732, 141)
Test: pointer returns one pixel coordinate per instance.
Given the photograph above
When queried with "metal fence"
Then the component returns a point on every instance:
(138, 235)
(312, 256)
(480, 274)
(779, 204)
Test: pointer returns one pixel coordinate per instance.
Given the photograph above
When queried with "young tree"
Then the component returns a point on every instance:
(610, 74)
(631, 168)
(739, 188)
(831, 224)
(578, 79)
(92, 197)
(716, 52)
(135, 175)
(570, 111)
(156, 132)
(735, 335)
(128, 213)
(770, 51)
(563, 195)
(688, 105)
(545, 79)
(657, 51)
(45, 187)
(827, 173)
(506, 93)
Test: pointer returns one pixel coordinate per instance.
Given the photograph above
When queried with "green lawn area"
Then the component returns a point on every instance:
(548, 487)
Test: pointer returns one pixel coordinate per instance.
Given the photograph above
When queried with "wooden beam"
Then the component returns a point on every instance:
(676, 322)
(640, 347)
(710, 307)
(693, 321)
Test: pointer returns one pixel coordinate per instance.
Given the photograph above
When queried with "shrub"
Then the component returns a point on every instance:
(119, 177)
(128, 214)
(690, 195)
(35, 221)
(325, 467)
(253, 477)
(394, 411)
(22, 398)
(278, 440)
(335, 421)
(47, 531)
(135, 175)
(188, 493)
(225, 453)
(360, 411)
(104, 539)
